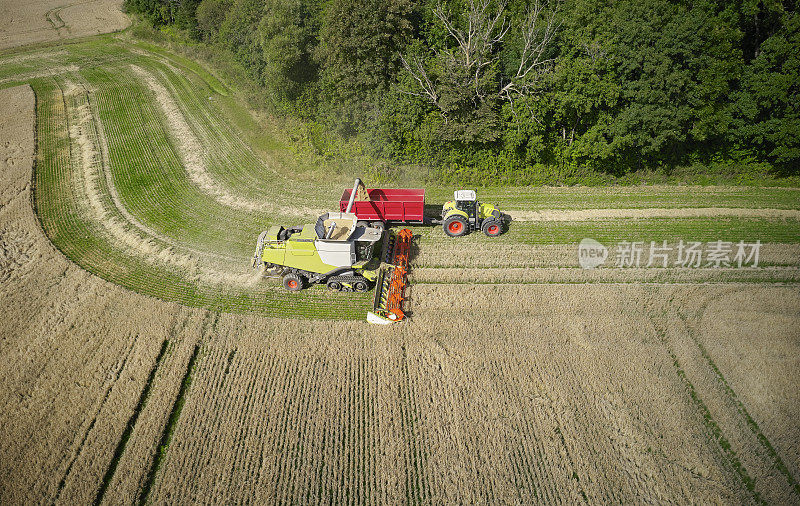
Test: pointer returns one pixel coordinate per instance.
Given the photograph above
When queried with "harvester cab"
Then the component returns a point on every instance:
(465, 214)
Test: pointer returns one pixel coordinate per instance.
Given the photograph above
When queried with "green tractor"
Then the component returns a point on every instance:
(334, 251)
(465, 214)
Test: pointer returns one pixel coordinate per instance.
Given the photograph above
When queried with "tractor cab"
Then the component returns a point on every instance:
(467, 201)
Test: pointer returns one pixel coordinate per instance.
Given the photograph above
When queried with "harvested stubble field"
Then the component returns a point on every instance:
(140, 359)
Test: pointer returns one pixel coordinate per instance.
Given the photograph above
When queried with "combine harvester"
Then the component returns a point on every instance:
(339, 251)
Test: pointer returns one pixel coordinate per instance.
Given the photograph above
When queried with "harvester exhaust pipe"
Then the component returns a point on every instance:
(353, 195)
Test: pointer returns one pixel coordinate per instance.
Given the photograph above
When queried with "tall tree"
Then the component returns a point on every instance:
(239, 32)
(677, 66)
(358, 53)
(464, 78)
(768, 102)
(288, 33)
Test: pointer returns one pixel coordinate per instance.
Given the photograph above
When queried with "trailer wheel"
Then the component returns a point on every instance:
(455, 226)
(492, 228)
(361, 286)
(293, 282)
(379, 225)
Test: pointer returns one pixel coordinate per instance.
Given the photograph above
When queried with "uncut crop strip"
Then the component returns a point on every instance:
(537, 275)
(139, 447)
(443, 252)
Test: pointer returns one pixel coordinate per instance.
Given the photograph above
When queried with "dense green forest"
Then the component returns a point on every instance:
(496, 90)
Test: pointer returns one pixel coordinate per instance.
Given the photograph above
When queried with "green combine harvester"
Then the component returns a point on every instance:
(334, 251)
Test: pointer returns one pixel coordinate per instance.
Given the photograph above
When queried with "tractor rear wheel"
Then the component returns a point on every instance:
(492, 228)
(455, 226)
(361, 286)
(334, 286)
(293, 282)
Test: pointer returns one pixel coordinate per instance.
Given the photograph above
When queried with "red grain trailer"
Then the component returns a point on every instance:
(386, 205)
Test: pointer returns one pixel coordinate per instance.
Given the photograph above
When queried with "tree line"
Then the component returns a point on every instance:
(492, 89)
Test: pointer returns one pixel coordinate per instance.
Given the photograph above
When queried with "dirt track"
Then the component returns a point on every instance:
(30, 22)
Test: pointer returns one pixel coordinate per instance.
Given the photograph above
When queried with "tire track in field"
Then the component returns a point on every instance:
(653, 212)
(79, 449)
(159, 369)
(209, 325)
(120, 449)
(745, 417)
(699, 403)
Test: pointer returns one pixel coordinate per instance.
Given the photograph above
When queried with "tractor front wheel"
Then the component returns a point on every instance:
(455, 226)
(293, 282)
(492, 228)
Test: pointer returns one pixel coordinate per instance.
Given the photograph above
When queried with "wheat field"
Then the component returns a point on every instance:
(141, 361)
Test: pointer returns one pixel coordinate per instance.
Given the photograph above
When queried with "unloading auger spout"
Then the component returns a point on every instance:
(353, 195)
